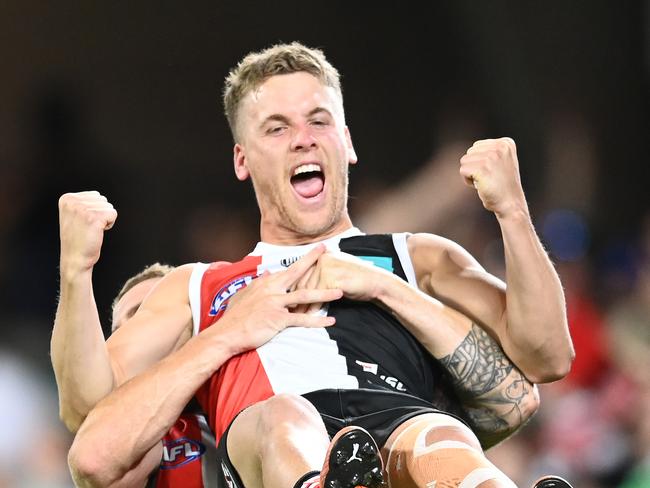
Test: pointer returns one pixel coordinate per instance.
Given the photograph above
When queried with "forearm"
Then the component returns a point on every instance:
(536, 332)
(497, 398)
(78, 350)
(125, 426)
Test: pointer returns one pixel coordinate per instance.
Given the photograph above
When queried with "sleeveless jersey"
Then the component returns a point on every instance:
(189, 456)
(366, 348)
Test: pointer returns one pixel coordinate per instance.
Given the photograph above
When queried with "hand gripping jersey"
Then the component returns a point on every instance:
(189, 456)
(367, 348)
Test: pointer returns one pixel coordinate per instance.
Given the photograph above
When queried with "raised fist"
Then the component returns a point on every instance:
(83, 218)
(491, 166)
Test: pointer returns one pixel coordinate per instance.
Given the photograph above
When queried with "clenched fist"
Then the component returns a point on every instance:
(491, 166)
(83, 218)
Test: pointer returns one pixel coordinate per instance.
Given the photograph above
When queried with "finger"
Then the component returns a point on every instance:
(314, 283)
(306, 320)
(479, 150)
(313, 276)
(470, 173)
(300, 267)
(300, 297)
(303, 281)
(104, 216)
(483, 142)
(111, 218)
(301, 284)
(92, 197)
(314, 307)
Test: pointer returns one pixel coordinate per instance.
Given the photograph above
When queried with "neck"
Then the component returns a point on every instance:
(290, 237)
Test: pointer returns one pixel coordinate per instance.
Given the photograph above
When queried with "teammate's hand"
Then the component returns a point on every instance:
(268, 305)
(358, 279)
(83, 218)
(491, 166)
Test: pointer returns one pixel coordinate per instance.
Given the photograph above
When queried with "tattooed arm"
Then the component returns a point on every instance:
(496, 397)
(494, 394)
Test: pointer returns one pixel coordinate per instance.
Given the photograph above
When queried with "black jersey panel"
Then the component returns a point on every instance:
(378, 349)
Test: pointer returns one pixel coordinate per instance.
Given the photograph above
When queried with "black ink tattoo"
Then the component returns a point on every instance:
(492, 388)
(478, 364)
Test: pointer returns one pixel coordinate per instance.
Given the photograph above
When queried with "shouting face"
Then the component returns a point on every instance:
(296, 149)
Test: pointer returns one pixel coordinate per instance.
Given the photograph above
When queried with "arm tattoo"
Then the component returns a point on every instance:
(490, 385)
(478, 364)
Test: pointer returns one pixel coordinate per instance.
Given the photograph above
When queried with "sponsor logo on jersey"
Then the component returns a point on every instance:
(368, 367)
(394, 382)
(374, 369)
(220, 300)
(286, 262)
(181, 451)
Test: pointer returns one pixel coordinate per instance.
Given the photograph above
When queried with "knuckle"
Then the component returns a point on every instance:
(510, 142)
(502, 147)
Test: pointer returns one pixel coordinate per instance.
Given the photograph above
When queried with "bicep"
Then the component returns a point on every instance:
(446, 271)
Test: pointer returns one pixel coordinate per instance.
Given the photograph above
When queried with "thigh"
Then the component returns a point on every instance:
(440, 450)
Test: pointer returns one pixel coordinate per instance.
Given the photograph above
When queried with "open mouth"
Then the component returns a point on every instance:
(308, 180)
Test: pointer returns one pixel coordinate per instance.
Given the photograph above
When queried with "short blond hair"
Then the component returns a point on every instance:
(280, 59)
(155, 270)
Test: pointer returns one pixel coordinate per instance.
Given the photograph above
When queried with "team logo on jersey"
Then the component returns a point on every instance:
(220, 300)
(180, 451)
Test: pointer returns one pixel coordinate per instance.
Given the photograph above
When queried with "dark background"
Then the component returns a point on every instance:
(124, 98)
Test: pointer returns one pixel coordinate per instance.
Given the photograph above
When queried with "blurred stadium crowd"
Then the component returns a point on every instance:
(585, 184)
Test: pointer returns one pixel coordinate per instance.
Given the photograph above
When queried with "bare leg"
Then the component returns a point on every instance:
(438, 450)
(274, 443)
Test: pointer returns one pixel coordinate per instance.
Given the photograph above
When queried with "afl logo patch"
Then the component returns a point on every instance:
(178, 452)
(220, 300)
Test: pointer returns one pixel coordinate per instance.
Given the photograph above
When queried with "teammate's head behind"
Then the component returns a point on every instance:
(134, 291)
(280, 59)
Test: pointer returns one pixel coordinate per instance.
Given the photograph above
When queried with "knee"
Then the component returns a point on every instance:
(287, 412)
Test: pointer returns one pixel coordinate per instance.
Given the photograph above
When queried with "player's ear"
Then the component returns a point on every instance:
(348, 139)
(239, 160)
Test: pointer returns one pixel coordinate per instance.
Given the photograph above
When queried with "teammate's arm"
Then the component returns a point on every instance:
(160, 326)
(528, 317)
(78, 351)
(119, 443)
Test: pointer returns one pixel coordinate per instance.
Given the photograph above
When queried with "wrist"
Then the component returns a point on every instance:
(73, 273)
(513, 212)
(221, 340)
(387, 289)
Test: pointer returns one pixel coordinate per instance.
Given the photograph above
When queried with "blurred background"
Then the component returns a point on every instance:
(124, 98)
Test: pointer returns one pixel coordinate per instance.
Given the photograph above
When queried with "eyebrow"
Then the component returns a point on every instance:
(274, 118)
(319, 110)
(285, 120)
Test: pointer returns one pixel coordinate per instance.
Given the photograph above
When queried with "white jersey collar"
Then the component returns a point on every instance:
(263, 248)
